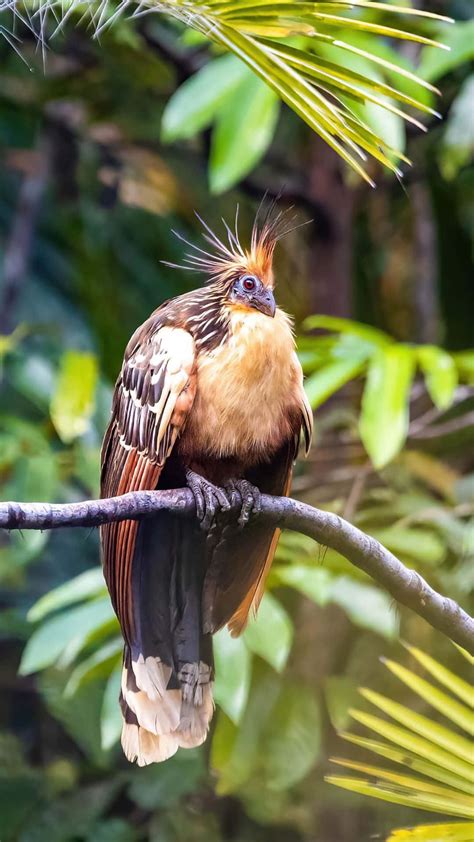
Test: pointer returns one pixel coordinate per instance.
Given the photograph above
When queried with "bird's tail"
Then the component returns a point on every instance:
(166, 691)
(158, 719)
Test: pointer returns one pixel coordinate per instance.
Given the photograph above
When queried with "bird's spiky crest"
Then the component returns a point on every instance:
(229, 258)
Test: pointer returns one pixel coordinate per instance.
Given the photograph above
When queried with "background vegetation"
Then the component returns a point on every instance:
(106, 147)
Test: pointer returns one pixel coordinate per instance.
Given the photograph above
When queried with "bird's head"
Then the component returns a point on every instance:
(249, 292)
(243, 277)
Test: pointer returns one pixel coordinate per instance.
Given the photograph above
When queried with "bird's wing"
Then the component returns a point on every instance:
(153, 396)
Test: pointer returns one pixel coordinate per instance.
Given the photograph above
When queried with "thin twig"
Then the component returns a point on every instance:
(447, 428)
(19, 245)
(405, 585)
(357, 490)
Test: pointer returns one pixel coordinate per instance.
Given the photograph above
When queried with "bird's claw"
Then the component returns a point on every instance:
(241, 490)
(209, 499)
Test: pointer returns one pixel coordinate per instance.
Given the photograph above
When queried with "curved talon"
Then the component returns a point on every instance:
(209, 498)
(233, 494)
(250, 498)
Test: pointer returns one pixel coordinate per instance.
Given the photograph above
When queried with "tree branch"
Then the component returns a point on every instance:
(406, 586)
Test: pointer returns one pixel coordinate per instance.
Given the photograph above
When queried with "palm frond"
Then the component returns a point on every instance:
(440, 760)
(457, 832)
(257, 31)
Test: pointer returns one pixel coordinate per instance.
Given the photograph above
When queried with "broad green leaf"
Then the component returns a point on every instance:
(112, 830)
(443, 703)
(75, 814)
(72, 403)
(20, 794)
(465, 365)
(111, 716)
(328, 379)
(457, 146)
(233, 665)
(98, 664)
(340, 693)
(441, 375)
(292, 738)
(369, 334)
(232, 765)
(79, 714)
(278, 739)
(22, 548)
(365, 605)
(87, 468)
(422, 545)
(35, 477)
(196, 102)
(236, 751)
(86, 585)
(294, 547)
(35, 379)
(270, 633)
(70, 628)
(313, 582)
(164, 785)
(242, 133)
(384, 416)
(438, 734)
(460, 40)
(263, 805)
(457, 832)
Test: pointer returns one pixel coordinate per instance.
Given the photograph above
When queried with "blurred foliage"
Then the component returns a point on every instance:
(288, 48)
(438, 753)
(104, 151)
(390, 370)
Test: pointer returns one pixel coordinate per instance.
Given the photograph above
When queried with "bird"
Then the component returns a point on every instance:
(210, 396)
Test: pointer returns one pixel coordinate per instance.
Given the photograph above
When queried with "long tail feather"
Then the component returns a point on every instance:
(166, 693)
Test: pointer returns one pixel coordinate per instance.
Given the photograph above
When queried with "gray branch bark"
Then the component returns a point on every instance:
(406, 586)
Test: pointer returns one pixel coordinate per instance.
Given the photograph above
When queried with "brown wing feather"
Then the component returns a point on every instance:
(152, 400)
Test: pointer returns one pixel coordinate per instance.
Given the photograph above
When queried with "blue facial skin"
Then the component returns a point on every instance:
(249, 291)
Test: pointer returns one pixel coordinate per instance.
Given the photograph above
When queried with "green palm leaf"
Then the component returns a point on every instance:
(458, 832)
(440, 760)
(257, 31)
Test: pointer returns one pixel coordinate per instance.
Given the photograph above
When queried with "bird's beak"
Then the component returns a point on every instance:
(264, 301)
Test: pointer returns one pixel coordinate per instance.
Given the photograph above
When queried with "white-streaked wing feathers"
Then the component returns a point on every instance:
(156, 392)
(152, 400)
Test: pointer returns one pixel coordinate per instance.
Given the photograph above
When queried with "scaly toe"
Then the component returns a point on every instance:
(233, 494)
(250, 498)
(208, 499)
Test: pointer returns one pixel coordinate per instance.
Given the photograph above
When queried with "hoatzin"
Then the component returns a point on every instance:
(210, 395)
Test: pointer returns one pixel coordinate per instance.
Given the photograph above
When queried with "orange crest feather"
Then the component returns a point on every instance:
(229, 258)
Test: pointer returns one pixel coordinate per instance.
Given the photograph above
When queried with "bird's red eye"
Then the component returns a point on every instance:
(249, 283)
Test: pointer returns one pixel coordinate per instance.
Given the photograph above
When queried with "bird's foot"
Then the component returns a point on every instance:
(209, 499)
(242, 491)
